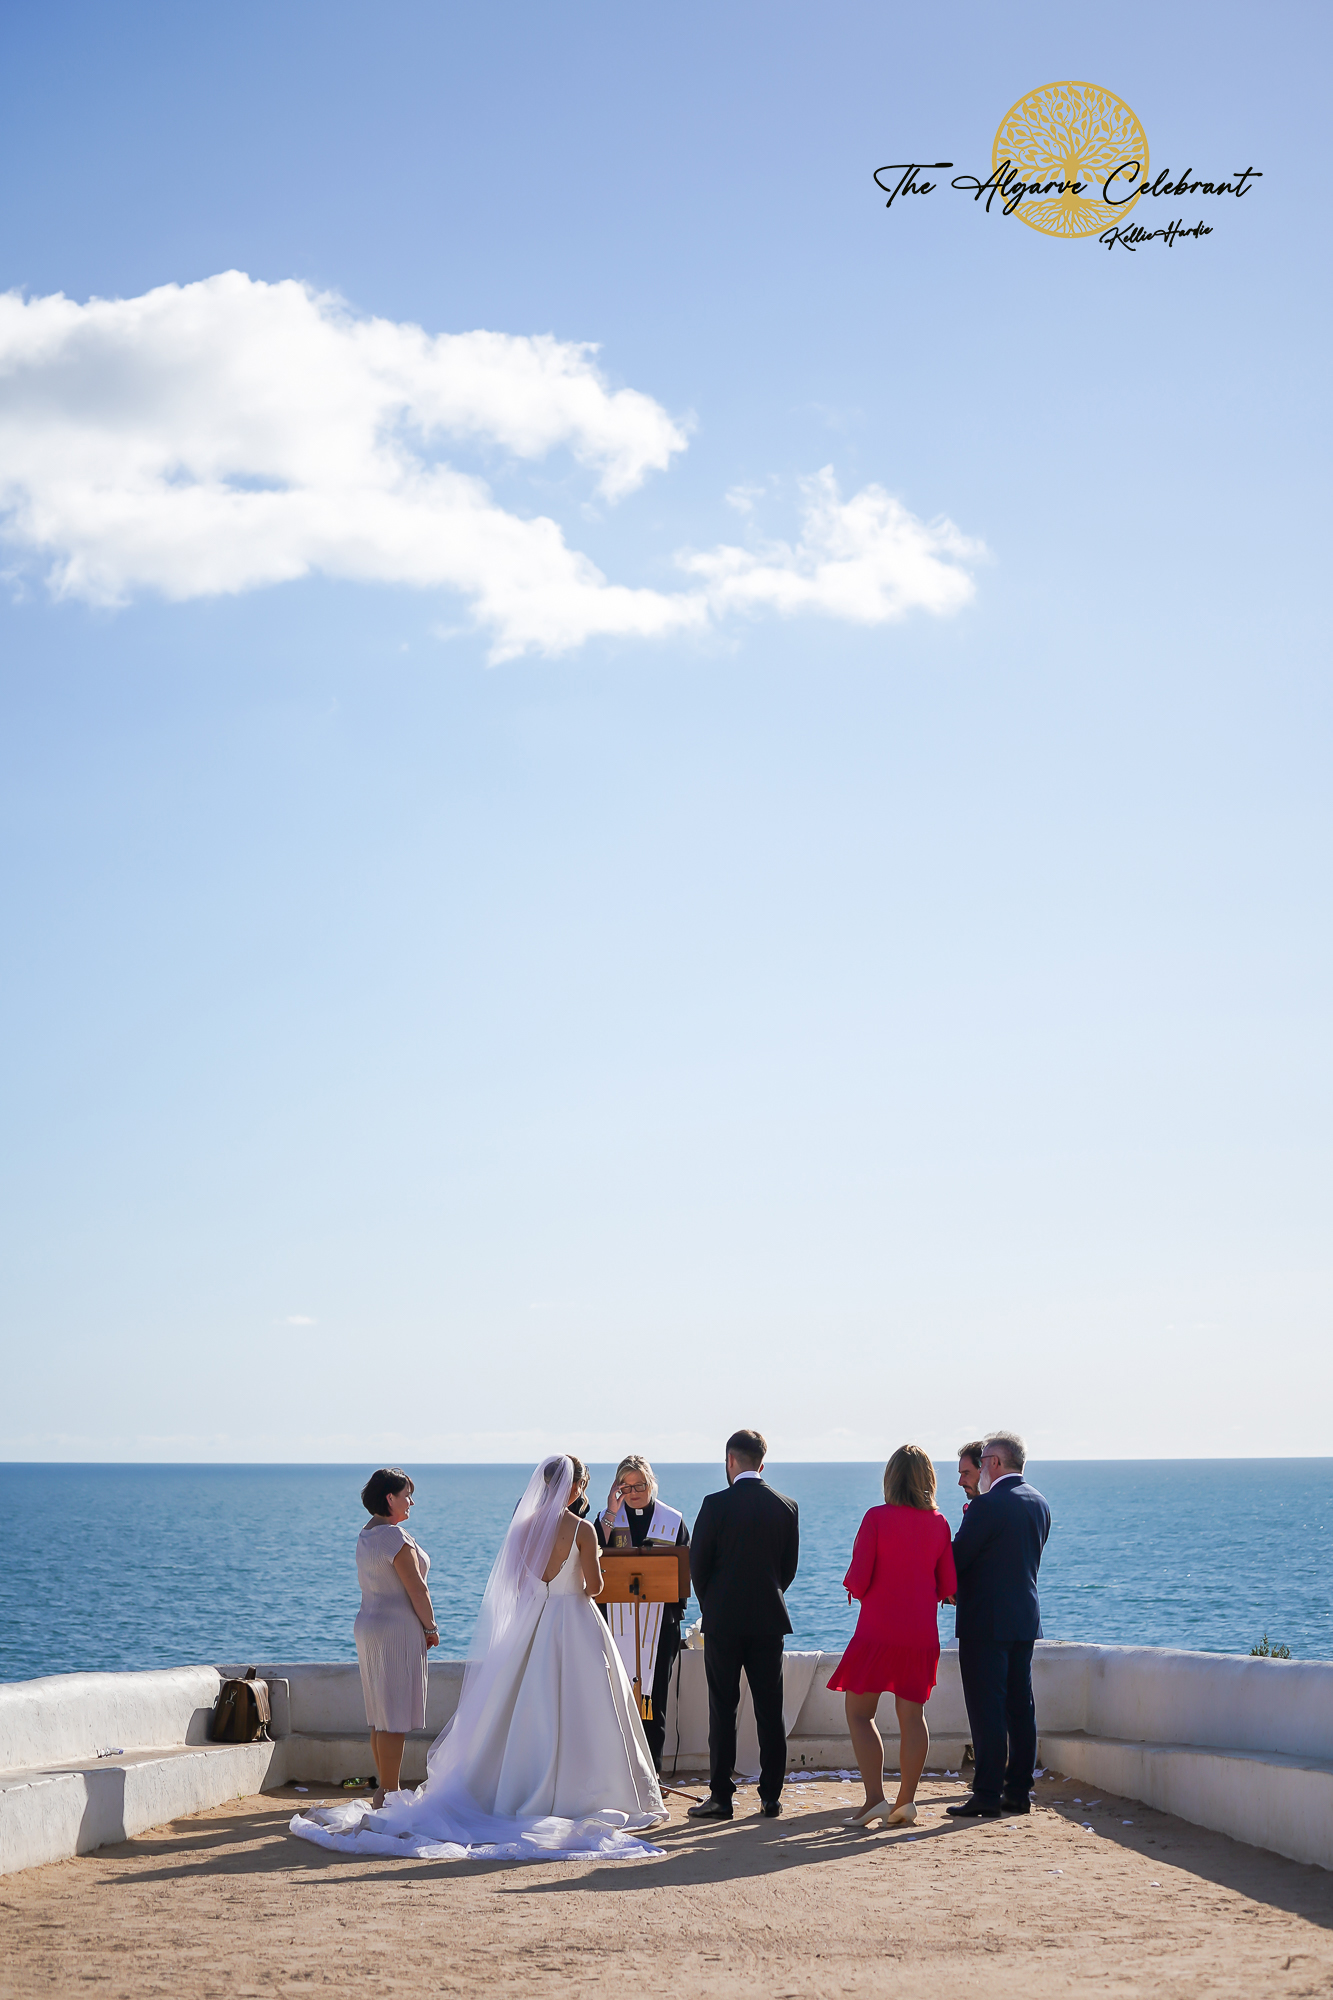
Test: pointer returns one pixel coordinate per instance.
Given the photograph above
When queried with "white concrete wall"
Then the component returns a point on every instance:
(326, 1699)
(1245, 1746)
(1149, 1694)
(817, 1732)
(1239, 1745)
(66, 1716)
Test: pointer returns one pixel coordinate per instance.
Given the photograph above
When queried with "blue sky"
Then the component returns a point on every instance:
(865, 1030)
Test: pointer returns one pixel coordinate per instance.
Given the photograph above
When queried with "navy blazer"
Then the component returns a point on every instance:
(997, 1553)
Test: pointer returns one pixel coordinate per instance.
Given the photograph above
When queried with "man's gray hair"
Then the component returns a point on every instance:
(1013, 1452)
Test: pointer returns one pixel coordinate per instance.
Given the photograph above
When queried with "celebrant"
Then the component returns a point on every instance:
(634, 1518)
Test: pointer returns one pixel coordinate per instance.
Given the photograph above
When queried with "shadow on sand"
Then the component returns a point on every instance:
(259, 1843)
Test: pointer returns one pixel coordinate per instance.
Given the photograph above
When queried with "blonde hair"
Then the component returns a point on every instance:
(634, 1462)
(909, 1479)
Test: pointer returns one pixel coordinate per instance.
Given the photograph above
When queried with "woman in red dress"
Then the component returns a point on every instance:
(902, 1567)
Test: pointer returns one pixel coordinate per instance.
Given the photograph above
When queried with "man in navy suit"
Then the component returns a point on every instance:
(997, 1553)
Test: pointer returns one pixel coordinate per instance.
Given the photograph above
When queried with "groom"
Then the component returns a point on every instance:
(743, 1557)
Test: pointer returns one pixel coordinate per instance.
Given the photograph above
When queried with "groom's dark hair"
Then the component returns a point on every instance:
(751, 1446)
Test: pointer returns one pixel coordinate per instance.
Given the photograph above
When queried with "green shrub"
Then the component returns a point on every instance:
(1263, 1651)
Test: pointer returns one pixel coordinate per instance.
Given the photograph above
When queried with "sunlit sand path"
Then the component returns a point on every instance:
(229, 1904)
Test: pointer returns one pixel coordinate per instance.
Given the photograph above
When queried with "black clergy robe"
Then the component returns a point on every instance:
(668, 1644)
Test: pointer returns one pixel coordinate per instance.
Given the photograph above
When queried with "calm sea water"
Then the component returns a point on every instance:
(121, 1566)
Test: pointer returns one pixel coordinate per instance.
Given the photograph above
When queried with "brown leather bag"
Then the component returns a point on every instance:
(241, 1713)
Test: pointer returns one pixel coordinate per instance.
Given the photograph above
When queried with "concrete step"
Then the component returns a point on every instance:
(1268, 1798)
(50, 1812)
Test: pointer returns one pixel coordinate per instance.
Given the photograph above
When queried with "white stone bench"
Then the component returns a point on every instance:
(1265, 1797)
(1241, 1745)
(63, 1793)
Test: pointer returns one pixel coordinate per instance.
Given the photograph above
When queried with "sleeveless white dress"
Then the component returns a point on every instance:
(555, 1764)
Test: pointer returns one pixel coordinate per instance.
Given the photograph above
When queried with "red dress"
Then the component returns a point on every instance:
(902, 1565)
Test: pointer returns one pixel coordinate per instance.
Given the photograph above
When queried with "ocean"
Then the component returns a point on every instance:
(125, 1566)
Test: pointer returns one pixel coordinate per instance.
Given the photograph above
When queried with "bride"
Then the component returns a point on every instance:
(545, 1751)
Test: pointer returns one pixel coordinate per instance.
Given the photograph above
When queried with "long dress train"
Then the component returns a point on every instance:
(553, 1761)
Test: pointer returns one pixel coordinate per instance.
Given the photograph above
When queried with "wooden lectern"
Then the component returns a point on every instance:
(644, 1576)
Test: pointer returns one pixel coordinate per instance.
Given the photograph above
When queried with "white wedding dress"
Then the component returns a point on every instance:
(546, 1754)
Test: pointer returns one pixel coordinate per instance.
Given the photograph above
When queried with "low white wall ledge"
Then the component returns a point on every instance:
(1244, 1746)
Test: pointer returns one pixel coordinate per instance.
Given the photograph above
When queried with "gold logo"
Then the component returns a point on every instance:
(1066, 142)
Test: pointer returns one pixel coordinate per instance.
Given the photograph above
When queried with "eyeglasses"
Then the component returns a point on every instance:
(635, 1486)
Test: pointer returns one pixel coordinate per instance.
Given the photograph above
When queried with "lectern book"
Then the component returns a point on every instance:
(644, 1576)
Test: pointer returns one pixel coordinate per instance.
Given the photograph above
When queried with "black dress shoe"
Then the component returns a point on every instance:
(710, 1809)
(1016, 1806)
(771, 1808)
(973, 1808)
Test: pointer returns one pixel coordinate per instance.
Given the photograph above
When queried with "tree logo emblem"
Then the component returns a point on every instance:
(1066, 141)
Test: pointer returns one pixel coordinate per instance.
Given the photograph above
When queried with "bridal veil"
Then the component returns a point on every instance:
(541, 1685)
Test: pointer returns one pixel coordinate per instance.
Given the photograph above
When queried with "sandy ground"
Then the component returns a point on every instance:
(230, 1904)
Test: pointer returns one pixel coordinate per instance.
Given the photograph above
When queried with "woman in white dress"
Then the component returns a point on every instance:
(546, 1751)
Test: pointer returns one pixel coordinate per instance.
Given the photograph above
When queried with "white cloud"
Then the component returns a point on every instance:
(742, 498)
(226, 435)
(299, 1319)
(866, 559)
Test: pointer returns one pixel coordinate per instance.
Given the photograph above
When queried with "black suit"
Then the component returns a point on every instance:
(997, 1553)
(743, 1557)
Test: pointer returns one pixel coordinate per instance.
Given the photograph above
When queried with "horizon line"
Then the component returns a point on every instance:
(484, 1464)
